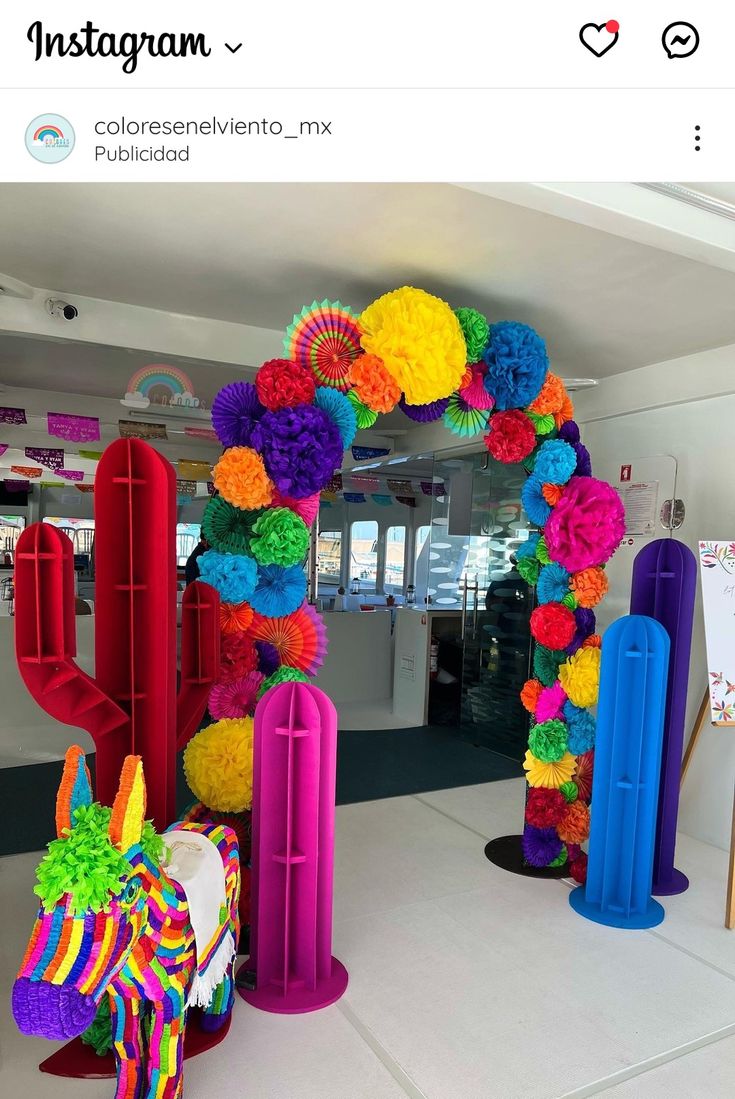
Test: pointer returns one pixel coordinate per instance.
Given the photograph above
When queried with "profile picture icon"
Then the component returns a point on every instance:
(50, 138)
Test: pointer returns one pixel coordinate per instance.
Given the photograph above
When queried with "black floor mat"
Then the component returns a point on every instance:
(381, 763)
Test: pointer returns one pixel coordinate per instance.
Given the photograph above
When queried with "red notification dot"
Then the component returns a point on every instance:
(612, 26)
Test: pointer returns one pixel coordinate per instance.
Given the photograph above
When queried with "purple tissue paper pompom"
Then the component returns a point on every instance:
(540, 845)
(584, 462)
(301, 448)
(235, 411)
(424, 413)
(586, 622)
(569, 432)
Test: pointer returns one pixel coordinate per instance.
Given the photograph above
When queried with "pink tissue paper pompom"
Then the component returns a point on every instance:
(586, 526)
(550, 703)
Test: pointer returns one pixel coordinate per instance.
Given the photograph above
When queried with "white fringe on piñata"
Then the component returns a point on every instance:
(193, 861)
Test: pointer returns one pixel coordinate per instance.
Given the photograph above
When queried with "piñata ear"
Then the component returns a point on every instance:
(128, 812)
(75, 789)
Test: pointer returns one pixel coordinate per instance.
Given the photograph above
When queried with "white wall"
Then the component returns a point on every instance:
(688, 412)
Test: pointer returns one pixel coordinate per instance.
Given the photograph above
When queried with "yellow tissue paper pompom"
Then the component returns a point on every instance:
(550, 775)
(580, 677)
(419, 340)
(218, 764)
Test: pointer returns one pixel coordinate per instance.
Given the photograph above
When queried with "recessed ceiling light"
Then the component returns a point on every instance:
(716, 206)
(574, 384)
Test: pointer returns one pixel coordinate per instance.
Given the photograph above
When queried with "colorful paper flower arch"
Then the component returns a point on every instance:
(284, 438)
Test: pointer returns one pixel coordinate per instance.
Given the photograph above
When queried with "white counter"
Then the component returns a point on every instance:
(359, 662)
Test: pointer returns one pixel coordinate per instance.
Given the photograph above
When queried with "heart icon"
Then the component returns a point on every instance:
(598, 38)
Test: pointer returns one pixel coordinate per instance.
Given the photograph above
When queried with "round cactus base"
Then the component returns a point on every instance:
(636, 921)
(78, 1061)
(507, 853)
(673, 885)
(298, 1000)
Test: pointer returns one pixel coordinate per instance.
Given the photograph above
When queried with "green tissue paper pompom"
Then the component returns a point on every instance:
(570, 600)
(548, 740)
(476, 332)
(283, 674)
(546, 664)
(561, 858)
(542, 552)
(98, 1034)
(528, 569)
(569, 790)
(543, 425)
(86, 865)
(280, 537)
(228, 529)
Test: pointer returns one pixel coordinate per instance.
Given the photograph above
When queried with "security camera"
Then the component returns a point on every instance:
(58, 308)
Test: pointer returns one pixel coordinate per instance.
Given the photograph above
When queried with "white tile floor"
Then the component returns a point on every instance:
(465, 982)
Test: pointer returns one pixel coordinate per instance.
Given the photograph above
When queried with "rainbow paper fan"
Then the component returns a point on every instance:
(325, 337)
(299, 638)
(462, 419)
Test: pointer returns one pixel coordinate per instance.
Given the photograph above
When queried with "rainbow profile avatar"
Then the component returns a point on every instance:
(114, 920)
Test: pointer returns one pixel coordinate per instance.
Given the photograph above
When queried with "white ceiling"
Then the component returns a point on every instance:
(98, 371)
(255, 253)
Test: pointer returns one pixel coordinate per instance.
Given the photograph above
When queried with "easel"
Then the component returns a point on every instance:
(700, 721)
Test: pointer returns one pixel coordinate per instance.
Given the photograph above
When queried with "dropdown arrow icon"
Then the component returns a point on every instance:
(233, 49)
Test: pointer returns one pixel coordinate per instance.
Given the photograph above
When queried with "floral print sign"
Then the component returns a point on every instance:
(717, 562)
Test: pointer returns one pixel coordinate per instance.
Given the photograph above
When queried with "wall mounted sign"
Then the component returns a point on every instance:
(717, 564)
(640, 499)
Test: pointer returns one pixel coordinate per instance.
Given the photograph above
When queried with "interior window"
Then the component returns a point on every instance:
(329, 551)
(395, 560)
(364, 555)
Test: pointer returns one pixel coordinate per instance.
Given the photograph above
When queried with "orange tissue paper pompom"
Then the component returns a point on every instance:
(373, 384)
(589, 586)
(566, 412)
(530, 694)
(594, 641)
(241, 478)
(551, 397)
(235, 617)
(552, 494)
(574, 826)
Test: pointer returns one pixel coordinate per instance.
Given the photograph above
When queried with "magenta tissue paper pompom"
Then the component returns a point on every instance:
(586, 526)
(550, 703)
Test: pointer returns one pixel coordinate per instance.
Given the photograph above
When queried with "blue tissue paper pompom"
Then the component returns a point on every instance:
(553, 583)
(555, 462)
(232, 574)
(340, 410)
(528, 548)
(536, 508)
(517, 364)
(278, 591)
(580, 729)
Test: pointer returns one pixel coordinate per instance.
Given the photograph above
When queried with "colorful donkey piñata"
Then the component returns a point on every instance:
(114, 921)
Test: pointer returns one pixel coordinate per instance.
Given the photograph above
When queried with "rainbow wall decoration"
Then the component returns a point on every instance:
(160, 384)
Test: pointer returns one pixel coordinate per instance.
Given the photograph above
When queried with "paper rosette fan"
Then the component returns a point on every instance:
(583, 774)
(299, 638)
(325, 337)
(473, 389)
(462, 419)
